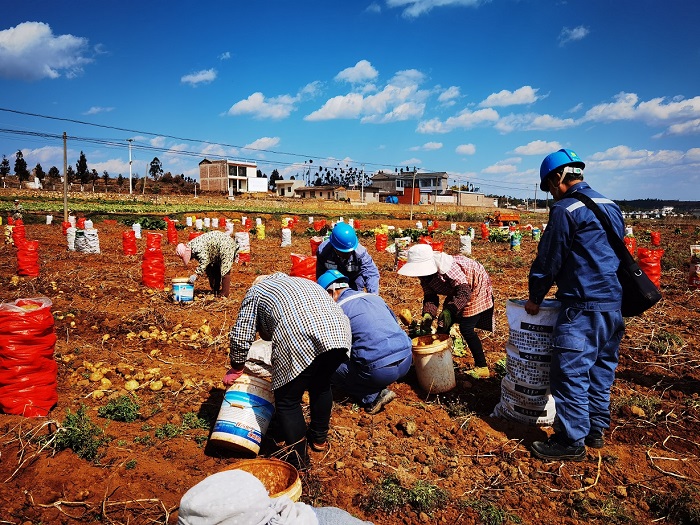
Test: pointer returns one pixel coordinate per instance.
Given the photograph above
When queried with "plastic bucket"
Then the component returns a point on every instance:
(279, 477)
(183, 291)
(245, 414)
(432, 358)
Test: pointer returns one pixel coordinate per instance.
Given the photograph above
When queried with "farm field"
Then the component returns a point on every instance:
(424, 459)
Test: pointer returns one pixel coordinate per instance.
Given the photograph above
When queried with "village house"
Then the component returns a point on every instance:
(230, 177)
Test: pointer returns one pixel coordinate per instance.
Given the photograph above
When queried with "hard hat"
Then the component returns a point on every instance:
(344, 238)
(556, 160)
(330, 277)
(420, 261)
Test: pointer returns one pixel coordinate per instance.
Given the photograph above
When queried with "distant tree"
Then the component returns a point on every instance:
(81, 169)
(94, 176)
(70, 173)
(167, 177)
(21, 167)
(120, 180)
(274, 177)
(4, 166)
(39, 172)
(156, 169)
(259, 173)
(54, 174)
(105, 176)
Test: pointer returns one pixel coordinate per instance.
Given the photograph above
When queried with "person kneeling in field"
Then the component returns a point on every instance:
(215, 251)
(381, 350)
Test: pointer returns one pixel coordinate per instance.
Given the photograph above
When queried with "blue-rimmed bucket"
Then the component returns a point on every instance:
(183, 291)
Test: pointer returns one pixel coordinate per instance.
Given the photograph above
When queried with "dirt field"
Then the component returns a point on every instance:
(425, 459)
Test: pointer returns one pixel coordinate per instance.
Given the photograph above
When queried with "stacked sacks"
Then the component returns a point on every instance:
(525, 394)
(153, 264)
(243, 241)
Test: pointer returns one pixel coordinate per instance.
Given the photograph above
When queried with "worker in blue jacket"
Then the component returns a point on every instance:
(381, 350)
(343, 252)
(575, 254)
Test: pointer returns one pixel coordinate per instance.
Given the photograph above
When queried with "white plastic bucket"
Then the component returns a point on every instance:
(88, 224)
(419, 225)
(137, 230)
(258, 221)
(432, 359)
(215, 222)
(183, 291)
(188, 220)
(207, 222)
(453, 227)
(198, 223)
(49, 219)
(245, 414)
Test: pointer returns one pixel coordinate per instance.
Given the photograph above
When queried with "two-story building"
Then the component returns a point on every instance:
(231, 177)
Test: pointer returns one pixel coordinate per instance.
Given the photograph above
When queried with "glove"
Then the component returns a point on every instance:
(234, 373)
(444, 322)
(426, 323)
(192, 278)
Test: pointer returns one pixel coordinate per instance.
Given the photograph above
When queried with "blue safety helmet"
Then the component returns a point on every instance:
(344, 238)
(330, 277)
(556, 160)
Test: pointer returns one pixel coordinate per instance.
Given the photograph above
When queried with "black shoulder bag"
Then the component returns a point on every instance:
(638, 292)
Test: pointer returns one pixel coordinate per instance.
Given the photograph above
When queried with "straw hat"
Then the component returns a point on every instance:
(184, 252)
(420, 261)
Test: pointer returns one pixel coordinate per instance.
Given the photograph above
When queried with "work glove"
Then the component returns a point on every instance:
(234, 373)
(426, 324)
(192, 278)
(445, 321)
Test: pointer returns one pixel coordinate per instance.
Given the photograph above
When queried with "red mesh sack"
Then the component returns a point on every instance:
(154, 240)
(193, 235)
(28, 258)
(650, 263)
(380, 241)
(27, 366)
(315, 243)
(81, 223)
(129, 242)
(172, 233)
(318, 225)
(656, 238)
(631, 243)
(153, 268)
(65, 225)
(19, 234)
(303, 266)
(484, 232)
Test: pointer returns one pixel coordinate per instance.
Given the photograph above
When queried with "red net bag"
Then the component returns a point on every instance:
(27, 366)
(193, 235)
(153, 268)
(380, 241)
(129, 242)
(65, 225)
(19, 234)
(318, 225)
(154, 240)
(655, 238)
(650, 263)
(172, 233)
(28, 258)
(81, 223)
(303, 266)
(315, 243)
(631, 243)
(484, 232)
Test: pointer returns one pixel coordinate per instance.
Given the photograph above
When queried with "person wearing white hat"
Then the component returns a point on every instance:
(215, 251)
(238, 497)
(469, 296)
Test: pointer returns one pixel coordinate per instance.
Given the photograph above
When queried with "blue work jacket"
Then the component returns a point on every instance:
(377, 338)
(359, 267)
(574, 252)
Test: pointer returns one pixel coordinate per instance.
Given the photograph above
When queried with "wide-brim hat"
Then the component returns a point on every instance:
(420, 262)
(184, 252)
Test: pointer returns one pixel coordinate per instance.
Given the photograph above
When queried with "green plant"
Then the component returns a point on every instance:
(130, 465)
(664, 342)
(81, 435)
(388, 495)
(680, 506)
(191, 420)
(425, 497)
(649, 404)
(490, 513)
(168, 431)
(500, 368)
(124, 408)
(146, 440)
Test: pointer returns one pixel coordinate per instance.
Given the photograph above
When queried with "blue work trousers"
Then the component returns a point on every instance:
(585, 354)
(365, 384)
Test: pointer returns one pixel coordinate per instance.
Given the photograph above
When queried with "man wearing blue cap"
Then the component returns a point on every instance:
(575, 254)
(381, 350)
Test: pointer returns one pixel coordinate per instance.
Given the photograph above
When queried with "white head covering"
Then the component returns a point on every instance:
(236, 497)
(443, 261)
(184, 252)
(420, 261)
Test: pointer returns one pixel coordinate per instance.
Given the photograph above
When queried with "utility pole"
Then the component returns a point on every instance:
(413, 190)
(362, 184)
(65, 178)
(131, 189)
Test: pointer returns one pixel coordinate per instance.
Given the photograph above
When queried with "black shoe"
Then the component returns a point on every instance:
(595, 439)
(553, 450)
(384, 398)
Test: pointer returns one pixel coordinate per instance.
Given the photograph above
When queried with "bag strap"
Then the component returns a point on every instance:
(617, 244)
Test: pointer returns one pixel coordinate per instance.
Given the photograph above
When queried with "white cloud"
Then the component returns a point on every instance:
(257, 105)
(411, 162)
(374, 7)
(448, 96)
(157, 142)
(225, 55)
(263, 143)
(523, 95)
(200, 77)
(465, 149)
(428, 146)
(532, 122)
(30, 51)
(572, 34)
(211, 150)
(46, 156)
(500, 168)
(407, 78)
(416, 8)
(538, 147)
(94, 110)
(358, 74)
(466, 119)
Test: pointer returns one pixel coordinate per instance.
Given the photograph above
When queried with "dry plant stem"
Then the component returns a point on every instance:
(595, 482)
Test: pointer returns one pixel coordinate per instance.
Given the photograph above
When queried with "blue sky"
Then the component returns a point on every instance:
(481, 89)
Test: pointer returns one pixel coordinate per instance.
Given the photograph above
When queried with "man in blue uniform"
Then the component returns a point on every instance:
(343, 252)
(381, 350)
(574, 253)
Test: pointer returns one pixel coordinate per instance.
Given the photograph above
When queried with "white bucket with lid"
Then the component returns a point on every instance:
(198, 223)
(245, 414)
(207, 222)
(188, 220)
(183, 291)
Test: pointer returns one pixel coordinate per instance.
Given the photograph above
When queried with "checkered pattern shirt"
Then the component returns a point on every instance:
(300, 319)
(214, 247)
(466, 284)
